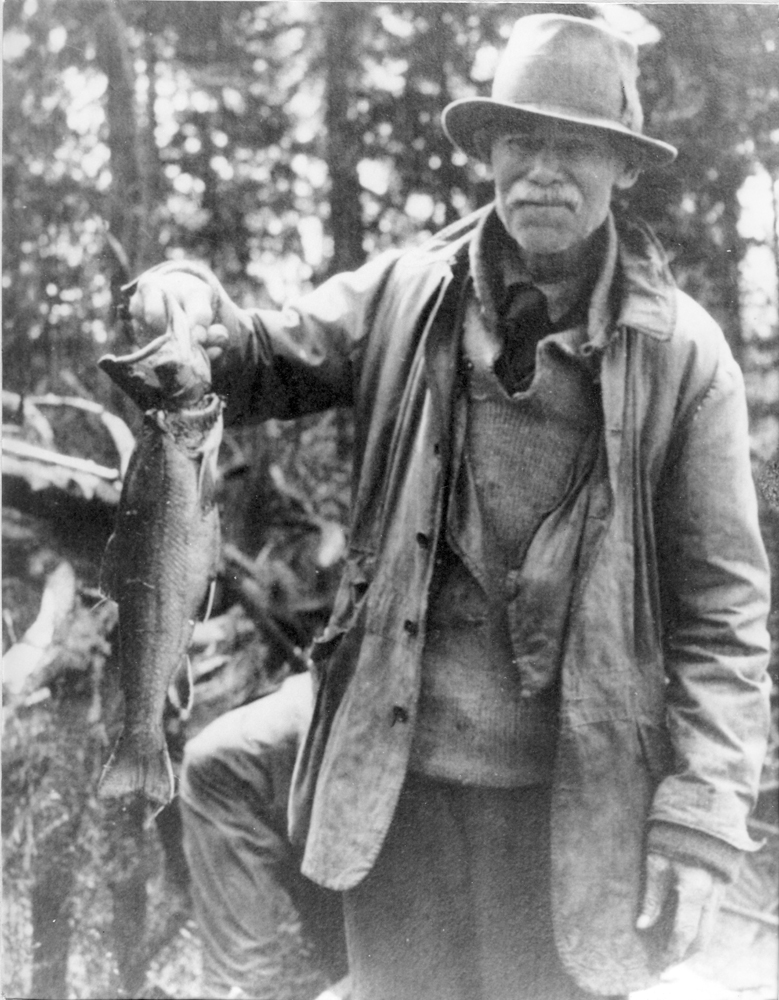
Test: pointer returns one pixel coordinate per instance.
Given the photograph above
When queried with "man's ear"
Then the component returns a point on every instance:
(627, 176)
(482, 140)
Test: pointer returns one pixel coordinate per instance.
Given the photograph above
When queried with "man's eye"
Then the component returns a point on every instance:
(520, 142)
(578, 147)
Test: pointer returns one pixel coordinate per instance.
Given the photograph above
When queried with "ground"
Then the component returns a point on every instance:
(740, 964)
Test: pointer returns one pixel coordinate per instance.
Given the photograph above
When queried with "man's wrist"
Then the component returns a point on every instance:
(692, 847)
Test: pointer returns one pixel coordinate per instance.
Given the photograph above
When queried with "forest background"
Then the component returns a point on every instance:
(280, 143)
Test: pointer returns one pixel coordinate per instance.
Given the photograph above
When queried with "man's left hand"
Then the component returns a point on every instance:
(697, 893)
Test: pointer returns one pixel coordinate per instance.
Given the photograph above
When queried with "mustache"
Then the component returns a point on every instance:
(554, 194)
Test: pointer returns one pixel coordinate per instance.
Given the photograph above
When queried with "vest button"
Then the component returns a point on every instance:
(399, 714)
(411, 627)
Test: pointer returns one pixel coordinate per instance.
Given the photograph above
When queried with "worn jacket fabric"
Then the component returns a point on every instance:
(664, 703)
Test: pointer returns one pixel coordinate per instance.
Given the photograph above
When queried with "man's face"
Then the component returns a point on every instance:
(553, 183)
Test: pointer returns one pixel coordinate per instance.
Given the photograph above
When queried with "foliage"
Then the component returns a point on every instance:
(233, 163)
(712, 91)
(280, 142)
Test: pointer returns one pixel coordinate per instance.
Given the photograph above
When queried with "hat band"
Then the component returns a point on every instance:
(582, 90)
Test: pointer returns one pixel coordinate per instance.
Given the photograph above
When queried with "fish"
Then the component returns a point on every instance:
(165, 548)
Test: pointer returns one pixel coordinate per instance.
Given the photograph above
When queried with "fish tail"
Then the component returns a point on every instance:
(133, 769)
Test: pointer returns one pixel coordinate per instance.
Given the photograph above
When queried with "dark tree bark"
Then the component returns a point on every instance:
(57, 852)
(127, 878)
(146, 252)
(51, 903)
(342, 26)
(112, 55)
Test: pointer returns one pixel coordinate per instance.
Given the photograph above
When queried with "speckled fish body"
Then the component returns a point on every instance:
(157, 567)
(164, 550)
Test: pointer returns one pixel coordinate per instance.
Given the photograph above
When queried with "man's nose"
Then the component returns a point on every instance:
(544, 163)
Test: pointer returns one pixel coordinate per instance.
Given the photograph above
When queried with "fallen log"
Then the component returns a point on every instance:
(28, 409)
(32, 452)
(28, 657)
(769, 919)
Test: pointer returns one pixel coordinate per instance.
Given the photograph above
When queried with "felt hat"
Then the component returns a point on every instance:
(567, 68)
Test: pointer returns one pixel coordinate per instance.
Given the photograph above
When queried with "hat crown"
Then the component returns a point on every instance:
(563, 65)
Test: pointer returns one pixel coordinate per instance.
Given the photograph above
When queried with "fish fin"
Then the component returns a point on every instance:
(190, 691)
(183, 700)
(205, 480)
(209, 468)
(152, 815)
(210, 604)
(132, 770)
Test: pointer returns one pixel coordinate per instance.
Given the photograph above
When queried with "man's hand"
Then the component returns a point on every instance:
(211, 314)
(697, 894)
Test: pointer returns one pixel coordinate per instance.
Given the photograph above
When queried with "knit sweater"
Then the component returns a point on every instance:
(523, 454)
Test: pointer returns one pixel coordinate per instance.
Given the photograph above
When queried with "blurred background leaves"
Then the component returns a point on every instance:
(280, 142)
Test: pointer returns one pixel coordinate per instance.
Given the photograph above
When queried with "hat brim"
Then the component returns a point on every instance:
(462, 120)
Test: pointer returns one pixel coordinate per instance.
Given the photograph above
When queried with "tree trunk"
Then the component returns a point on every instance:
(127, 879)
(146, 252)
(58, 829)
(51, 906)
(342, 27)
(113, 57)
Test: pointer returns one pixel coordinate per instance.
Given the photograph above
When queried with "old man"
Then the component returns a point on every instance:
(541, 703)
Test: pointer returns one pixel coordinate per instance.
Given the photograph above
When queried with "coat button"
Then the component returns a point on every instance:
(423, 540)
(411, 627)
(399, 714)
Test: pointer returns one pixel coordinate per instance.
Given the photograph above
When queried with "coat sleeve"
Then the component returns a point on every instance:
(715, 582)
(305, 357)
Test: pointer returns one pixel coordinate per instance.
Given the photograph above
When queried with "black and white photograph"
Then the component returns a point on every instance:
(390, 483)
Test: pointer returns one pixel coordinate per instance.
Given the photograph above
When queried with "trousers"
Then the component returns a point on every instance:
(234, 789)
(457, 905)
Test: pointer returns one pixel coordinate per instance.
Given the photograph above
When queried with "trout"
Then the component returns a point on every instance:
(165, 546)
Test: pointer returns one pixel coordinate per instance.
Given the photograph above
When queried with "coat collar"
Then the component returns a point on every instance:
(647, 291)
(642, 295)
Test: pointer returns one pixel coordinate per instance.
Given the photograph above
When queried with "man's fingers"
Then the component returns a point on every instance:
(215, 336)
(193, 294)
(157, 294)
(698, 895)
(193, 267)
(147, 310)
(710, 913)
(186, 296)
(213, 339)
(659, 878)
